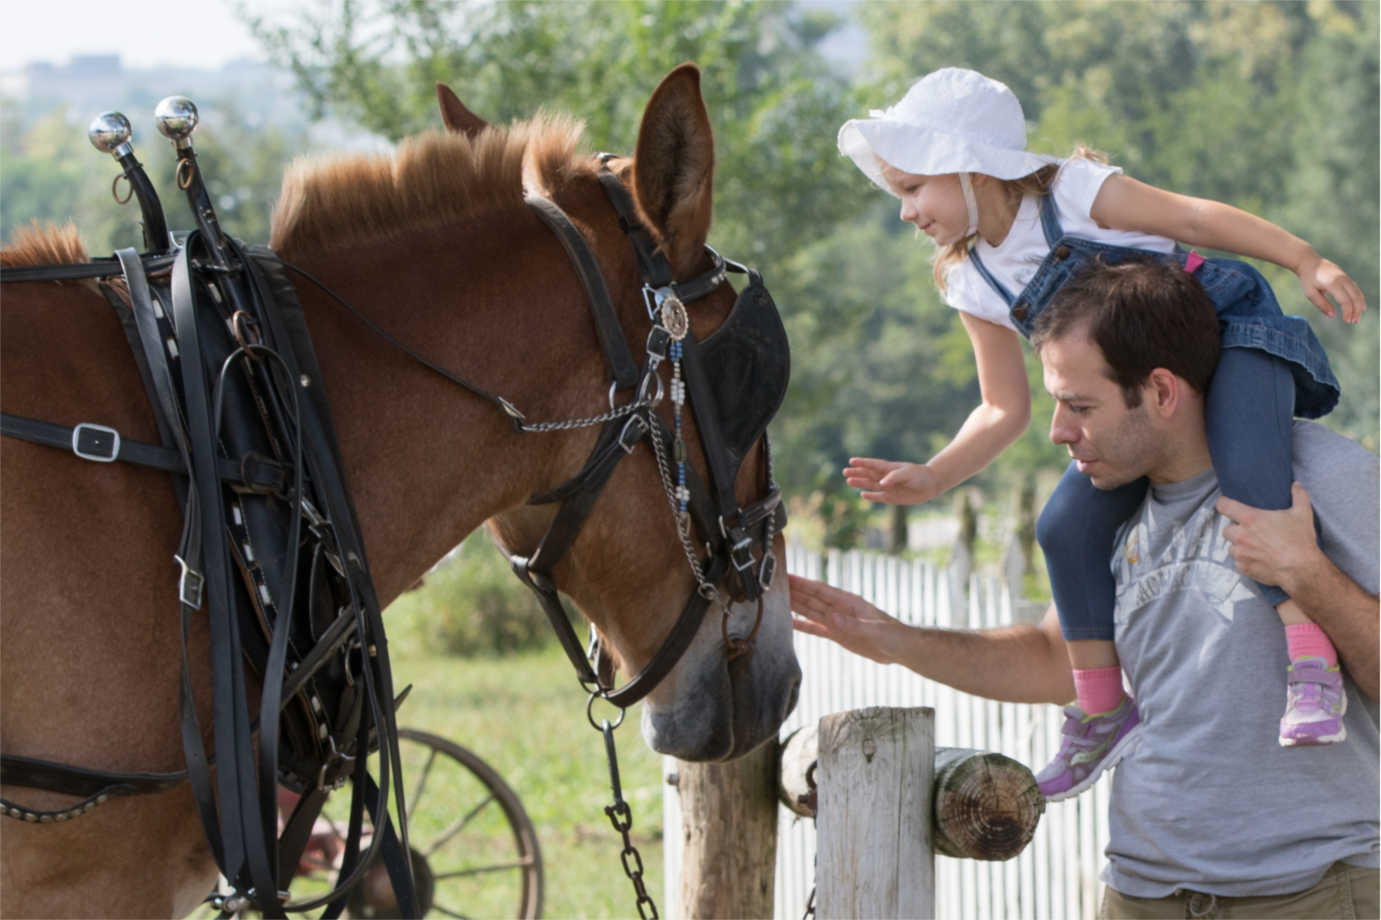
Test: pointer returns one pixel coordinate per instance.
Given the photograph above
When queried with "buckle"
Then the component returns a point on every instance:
(335, 770)
(96, 443)
(741, 553)
(767, 570)
(627, 442)
(189, 585)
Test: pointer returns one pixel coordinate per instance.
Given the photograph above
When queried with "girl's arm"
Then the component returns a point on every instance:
(999, 420)
(1124, 203)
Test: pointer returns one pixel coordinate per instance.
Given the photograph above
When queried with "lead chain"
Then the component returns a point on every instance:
(621, 817)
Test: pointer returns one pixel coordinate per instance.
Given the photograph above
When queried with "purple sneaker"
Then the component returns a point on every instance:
(1091, 744)
(1314, 704)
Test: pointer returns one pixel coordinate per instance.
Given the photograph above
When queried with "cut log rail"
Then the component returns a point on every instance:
(982, 805)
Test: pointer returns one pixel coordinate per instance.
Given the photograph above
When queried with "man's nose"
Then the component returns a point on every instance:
(1061, 431)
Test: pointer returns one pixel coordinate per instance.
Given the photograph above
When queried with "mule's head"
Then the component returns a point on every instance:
(629, 570)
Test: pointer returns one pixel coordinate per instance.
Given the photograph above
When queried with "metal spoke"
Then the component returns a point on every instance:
(457, 826)
(422, 781)
(450, 913)
(482, 870)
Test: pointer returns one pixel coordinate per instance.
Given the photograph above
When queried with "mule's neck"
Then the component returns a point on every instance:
(426, 461)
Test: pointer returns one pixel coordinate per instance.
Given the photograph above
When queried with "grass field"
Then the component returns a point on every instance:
(525, 715)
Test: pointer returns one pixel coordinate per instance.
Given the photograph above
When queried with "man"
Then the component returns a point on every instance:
(1209, 815)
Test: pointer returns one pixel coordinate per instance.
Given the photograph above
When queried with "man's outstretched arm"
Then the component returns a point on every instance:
(1018, 664)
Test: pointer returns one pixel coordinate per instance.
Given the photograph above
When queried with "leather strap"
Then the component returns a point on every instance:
(243, 834)
(32, 773)
(612, 342)
(97, 268)
(253, 473)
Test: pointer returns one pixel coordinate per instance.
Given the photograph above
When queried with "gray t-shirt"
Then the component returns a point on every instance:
(1208, 800)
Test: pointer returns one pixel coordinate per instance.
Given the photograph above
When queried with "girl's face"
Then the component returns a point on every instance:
(935, 204)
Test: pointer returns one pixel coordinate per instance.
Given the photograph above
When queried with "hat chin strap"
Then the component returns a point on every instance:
(970, 202)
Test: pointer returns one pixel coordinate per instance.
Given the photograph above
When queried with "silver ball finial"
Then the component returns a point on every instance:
(109, 132)
(176, 117)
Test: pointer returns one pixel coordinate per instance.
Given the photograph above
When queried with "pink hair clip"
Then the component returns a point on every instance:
(1193, 261)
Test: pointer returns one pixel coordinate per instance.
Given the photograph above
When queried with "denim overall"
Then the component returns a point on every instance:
(1272, 368)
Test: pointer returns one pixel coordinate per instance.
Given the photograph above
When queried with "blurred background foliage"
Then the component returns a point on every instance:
(1271, 106)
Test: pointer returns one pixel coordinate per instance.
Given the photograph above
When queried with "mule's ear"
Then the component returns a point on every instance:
(674, 167)
(457, 117)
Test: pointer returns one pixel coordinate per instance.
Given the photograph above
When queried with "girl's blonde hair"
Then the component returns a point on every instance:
(1036, 183)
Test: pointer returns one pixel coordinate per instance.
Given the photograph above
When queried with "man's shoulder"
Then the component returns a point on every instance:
(1321, 455)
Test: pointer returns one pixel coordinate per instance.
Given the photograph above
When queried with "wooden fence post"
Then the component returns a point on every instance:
(729, 836)
(875, 773)
(985, 805)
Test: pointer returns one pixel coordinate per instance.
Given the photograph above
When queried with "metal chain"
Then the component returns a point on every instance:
(682, 520)
(589, 422)
(810, 905)
(621, 817)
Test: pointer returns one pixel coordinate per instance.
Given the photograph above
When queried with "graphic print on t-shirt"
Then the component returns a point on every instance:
(1196, 559)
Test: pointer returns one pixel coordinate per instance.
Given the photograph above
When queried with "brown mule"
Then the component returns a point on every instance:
(436, 245)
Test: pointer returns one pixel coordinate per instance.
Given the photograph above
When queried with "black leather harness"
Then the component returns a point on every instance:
(270, 554)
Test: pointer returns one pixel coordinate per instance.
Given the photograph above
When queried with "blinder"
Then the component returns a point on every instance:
(745, 366)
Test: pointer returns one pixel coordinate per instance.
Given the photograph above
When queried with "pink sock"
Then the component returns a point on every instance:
(1305, 640)
(1098, 689)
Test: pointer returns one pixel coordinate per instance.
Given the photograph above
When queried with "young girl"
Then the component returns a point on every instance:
(1010, 228)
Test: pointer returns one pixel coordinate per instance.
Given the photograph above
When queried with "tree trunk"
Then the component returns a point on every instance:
(729, 831)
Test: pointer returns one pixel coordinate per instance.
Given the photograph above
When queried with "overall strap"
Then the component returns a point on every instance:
(1050, 220)
(987, 276)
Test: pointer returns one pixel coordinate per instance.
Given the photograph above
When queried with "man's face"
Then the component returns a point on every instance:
(1112, 444)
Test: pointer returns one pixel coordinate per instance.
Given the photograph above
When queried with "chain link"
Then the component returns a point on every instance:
(682, 520)
(588, 422)
(621, 817)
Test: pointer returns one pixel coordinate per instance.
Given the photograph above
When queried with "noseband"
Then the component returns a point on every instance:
(727, 531)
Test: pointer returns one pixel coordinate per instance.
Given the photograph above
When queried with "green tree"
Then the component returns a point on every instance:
(1269, 106)
(51, 174)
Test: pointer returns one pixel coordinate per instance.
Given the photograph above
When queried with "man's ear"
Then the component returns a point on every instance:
(1163, 391)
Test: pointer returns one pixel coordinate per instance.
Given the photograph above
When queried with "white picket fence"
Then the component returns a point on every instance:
(1056, 876)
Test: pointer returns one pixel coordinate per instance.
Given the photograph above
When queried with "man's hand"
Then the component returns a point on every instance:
(1281, 548)
(1273, 547)
(844, 618)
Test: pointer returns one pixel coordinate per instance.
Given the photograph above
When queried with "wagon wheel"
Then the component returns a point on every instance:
(474, 850)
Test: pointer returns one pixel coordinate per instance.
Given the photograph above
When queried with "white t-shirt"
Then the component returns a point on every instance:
(1015, 260)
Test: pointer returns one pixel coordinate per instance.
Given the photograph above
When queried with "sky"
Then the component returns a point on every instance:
(145, 33)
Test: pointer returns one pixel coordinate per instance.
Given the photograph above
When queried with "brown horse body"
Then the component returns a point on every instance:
(91, 634)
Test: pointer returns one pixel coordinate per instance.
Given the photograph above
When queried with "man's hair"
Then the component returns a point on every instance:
(1143, 314)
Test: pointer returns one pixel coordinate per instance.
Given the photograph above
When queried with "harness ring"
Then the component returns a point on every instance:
(115, 189)
(590, 712)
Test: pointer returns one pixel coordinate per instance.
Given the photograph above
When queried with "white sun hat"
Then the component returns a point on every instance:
(951, 121)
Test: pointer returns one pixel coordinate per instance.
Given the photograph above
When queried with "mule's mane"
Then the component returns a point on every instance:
(430, 179)
(44, 244)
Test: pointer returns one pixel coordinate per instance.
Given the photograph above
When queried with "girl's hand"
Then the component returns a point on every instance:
(892, 482)
(1322, 279)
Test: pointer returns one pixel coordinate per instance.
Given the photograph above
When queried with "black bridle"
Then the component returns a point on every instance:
(727, 531)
